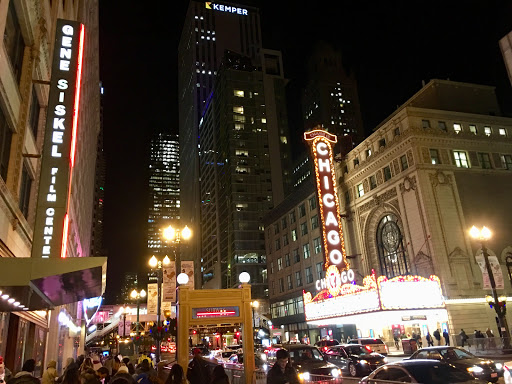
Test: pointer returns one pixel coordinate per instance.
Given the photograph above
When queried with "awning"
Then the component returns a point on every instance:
(38, 284)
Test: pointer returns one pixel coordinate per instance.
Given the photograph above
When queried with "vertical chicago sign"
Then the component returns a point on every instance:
(58, 156)
(334, 246)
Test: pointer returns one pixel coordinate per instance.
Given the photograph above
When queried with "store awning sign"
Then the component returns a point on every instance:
(376, 294)
(215, 312)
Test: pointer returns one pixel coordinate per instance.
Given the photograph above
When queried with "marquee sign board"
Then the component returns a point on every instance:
(215, 312)
(51, 225)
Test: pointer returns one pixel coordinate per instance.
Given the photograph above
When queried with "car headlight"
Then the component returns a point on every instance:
(336, 372)
(385, 360)
(498, 366)
(304, 376)
(475, 369)
(363, 361)
(265, 367)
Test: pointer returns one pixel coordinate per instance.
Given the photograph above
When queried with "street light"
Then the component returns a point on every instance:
(495, 301)
(157, 265)
(254, 305)
(176, 235)
(138, 295)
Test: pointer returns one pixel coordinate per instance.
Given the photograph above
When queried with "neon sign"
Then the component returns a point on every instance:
(376, 294)
(91, 307)
(51, 226)
(226, 8)
(334, 245)
(215, 312)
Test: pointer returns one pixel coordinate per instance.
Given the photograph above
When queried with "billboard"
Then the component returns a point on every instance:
(57, 161)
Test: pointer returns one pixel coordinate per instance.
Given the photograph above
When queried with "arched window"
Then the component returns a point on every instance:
(392, 253)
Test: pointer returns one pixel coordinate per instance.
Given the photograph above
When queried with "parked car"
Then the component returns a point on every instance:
(325, 344)
(420, 371)
(237, 360)
(309, 361)
(375, 345)
(484, 369)
(354, 359)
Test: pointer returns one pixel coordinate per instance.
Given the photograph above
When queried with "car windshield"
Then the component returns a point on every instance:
(357, 350)
(298, 355)
(438, 374)
(455, 354)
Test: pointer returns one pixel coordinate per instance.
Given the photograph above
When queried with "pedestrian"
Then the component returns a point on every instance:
(282, 371)
(115, 365)
(124, 372)
(50, 374)
(144, 372)
(198, 371)
(437, 336)
(430, 342)
(86, 364)
(396, 342)
(26, 375)
(446, 337)
(71, 375)
(5, 373)
(103, 375)
(219, 375)
(89, 377)
(176, 375)
(108, 364)
(463, 337)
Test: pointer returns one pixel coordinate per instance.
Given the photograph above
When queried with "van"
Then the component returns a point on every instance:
(375, 345)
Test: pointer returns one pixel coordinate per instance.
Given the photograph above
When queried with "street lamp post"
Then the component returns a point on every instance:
(138, 295)
(176, 235)
(254, 305)
(157, 265)
(496, 302)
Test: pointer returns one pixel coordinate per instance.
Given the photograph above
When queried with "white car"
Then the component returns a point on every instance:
(372, 344)
(507, 372)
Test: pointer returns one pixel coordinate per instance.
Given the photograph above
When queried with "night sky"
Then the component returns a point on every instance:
(392, 46)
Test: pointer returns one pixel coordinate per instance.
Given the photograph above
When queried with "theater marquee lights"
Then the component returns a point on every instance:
(376, 294)
(334, 245)
(58, 155)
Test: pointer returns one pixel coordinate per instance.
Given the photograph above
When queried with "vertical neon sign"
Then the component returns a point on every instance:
(334, 244)
(58, 155)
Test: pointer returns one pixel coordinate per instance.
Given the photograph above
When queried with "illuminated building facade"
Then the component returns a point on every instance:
(408, 195)
(207, 33)
(28, 82)
(164, 190)
(244, 163)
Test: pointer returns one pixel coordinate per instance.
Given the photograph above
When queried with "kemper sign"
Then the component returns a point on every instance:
(334, 245)
(226, 8)
(51, 226)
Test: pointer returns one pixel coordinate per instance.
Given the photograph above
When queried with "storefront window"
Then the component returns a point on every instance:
(39, 346)
(20, 344)
(4, 325)
(392, 254)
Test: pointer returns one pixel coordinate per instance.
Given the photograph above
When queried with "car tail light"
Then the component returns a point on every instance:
(368, 348)
(387, 349)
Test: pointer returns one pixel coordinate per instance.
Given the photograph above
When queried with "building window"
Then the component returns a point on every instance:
(387, 173)
(5, 144)
(356, 162)
(391, 250)
(289, 282)
(13, 41)
(304, 228)
(296, 256)
(294, 234)
(368, 152)
(441, 125)
(298, 279)
(425, 123)
(319, 270)
(238, 93)
(238, 109)
(287, 262)
(302, 210)
(34, 113)
(292, 217)
(279, 263)
(373, 182)
(360, 190)
(278, 244)
(284, 224)
(506, 161)
(347, 197)
(397, 131)
(502, 131)
(487, 131)
(461, 159)
(457, 127)
(317, 245)
(271, 267)
(25, 188)
(281, 285)
(312, 203)
(484, 160)
(276, 228)
(285, 239)
(309, 275)
(314, 222)
(382, 143)
(306, 251)
(472, 129)
(434, 156)
(403, 162)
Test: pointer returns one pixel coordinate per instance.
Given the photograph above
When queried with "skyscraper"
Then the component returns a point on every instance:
(209, 30)
(164, 189)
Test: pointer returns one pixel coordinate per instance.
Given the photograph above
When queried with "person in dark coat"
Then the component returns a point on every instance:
(198, 371)
(25, 376)
(463, 337)
(430, 342)
(437, 336)
(282, 371)
(446, 337)
(219, 375)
